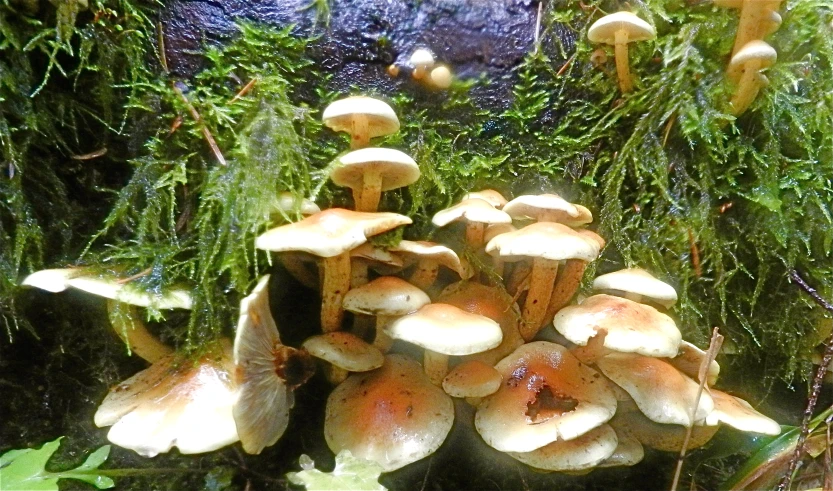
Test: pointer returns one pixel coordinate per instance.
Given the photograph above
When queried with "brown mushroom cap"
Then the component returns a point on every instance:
(629, 451)
(631, 326)
(396, 168)
(639, 282)
(546, 395)
(661, 391)
(739, 414)
(386, 296)
(381, 120)
(472, 379)
(345, 351)
(446, 329)
(584, 452)
(393, 415)
(174, 402)
(329, 233)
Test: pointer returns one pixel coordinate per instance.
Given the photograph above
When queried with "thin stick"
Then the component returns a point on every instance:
(135, 276)
(198, 119)
(163, 58)
(538, 27)
(565, 65)
(245, 90)
(714, 346)
(695, 254)
(818, 379)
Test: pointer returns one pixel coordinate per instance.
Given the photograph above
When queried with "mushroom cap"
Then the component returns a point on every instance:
(604, 29)
(546, 395)
(472, 378)
(381, 119)
(380, 258)
(756, 50)
(51, 280)
(631, 327)
(446, 329)
(288, 203)
(329, 233)
(443, 255)
(639, 281)
(628, 452)
(584, 452)
(386, 295)
(265, 373)
(493, 197)
(591, 235)
(496, 229)
(688, 360)
(662, 393)
(441, 77)
(396, 168)
(665, 437)
(471, 210)
(110, 287)
(422, 57)
(393, 415)
(739, 414)
(535, 205)
(345, 351)
(548, 240)
(494, 303)
(174, 402)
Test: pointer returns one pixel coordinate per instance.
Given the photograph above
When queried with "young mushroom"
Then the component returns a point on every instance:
(369, 171)
(746, 67)
(331, 234)
(421, 60)
(619, 29)
(473, 380)
(638, 285)
(343, 352)
(756, 19)
(362, 117)
(476, 213)
(429, 256)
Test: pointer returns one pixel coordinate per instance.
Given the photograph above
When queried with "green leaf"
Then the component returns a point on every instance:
(350, 473)
(25, 469)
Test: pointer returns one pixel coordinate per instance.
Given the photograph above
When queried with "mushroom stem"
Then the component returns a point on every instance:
(436, 366)
(335, 375)
(335, 285)
(520, 274)
(360, 137)
(622, 63)
(750, 84)
(474, 234)
(425, 274)
(565, 287)
(371, 191)
(542, 279)
(358, 273)
(753, 24)
(381, 339)
(127, 323)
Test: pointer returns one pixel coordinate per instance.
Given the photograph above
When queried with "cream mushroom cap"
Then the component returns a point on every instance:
(546, 395)
(631, 327)
(51, 280)
(739, 414)
(472, 210)
(443, 255)
(380, 116)
(604, 29)
(758, 51)
(661, 391)
(397, 169)
(547, 240)
(472, 378)
(446, 329)
(393, 415)
(640, 282)
(629, 451)
(287, 202)
(688, 360)
(329, 233)
(110, 287)
(550, 206)
(493, 197)
(386, 296)
(584, 452)
(665, 437)
(344, 350)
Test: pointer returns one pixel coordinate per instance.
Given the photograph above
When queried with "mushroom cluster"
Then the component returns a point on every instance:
(612, 373)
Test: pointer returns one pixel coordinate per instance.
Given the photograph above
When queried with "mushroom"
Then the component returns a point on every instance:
(331, 234)
(445, 330)
(430, 256)
(619, 29)
(369, 171)
(631, 327)
(386, 297)
(477, 213)
(473, 380)
(287, 203)
(393, 415)
(490, 195)
(584, 452)
(745, 67)
(637, 284)
(664, 437)
(175, 402)
(343, 352)
(688, 360)
(569, 278)
(266, 373)
(740, 415)
(546, 395)
(546, 243)
(756, 19)
(548, 208)
(441, 77)
(362, 117)
(421, 60)
(629, 451)
(367, 254)
(492, 231)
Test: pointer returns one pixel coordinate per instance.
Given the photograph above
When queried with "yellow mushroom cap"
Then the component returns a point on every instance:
(604, 29)
(397, 169)
(536, 206)
(640, 282)
(382, 120)
(345, 351)
(493, 197)
(739, 414)
(441, 77)
(446, 329)
(754, 51)
(471, 210)
(547, 240)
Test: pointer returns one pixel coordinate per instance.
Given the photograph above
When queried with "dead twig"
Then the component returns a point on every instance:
(565, 66)
(695, 254)
(245, 90)
(92, 155)
(198, 119)
(714, 346)
(815, 390)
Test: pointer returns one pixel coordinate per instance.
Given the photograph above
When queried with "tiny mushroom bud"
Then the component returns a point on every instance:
(745, 67)
(619, 29)
(441, 77)
(393, 415)
(362, 117)
(421, 60)
(369, 171)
